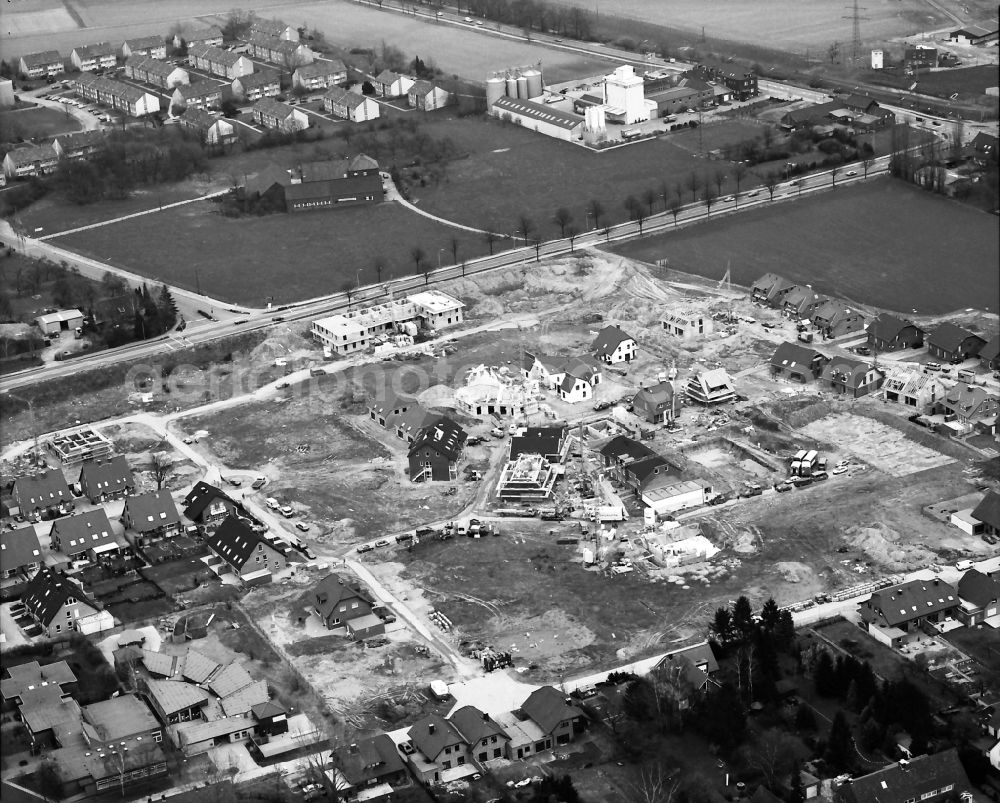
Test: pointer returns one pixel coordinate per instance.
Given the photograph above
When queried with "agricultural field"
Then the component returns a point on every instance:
(35, 124)
(966, 81)
(856, 242)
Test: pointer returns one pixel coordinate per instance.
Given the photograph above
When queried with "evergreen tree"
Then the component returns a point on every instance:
(839, 749)
(722, 626)
(805, 719)
(167, 307)
(770, 615)
(824, 675)
(743, 618)
(853, 698)
(784, 631)
(722, 719)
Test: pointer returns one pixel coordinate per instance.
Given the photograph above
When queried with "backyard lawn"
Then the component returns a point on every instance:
(883, 243)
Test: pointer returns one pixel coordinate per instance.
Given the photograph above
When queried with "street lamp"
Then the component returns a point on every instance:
(440, 251)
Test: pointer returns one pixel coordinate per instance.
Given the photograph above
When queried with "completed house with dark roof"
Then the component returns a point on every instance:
(893, 615)
(987, 513)
(980, 598)
(953, 343)
(367, 763)
(103, 480)
(152, 514)
(20, 552)
(989, 355)
(435, 452)
(250, 555)
(55, 602)
(795, 363)
(439, 746)
(208, 505)
(85, 536)
(969, 403)
(336, 601)
(547, 442)
(928, 779)
(555, 716)
(43, 494)
(487, 739)
(888, 333)
(613, 345)
(851, 377)
(656, 404)
(834, 319)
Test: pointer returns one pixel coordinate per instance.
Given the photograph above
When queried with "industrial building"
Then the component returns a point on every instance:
(353, 331)
(539, 117)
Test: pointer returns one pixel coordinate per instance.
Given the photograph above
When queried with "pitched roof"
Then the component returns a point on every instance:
(966, 399)
(988, 510)
(621, 447)
(608, 339)
(95, 50)
(950, 337)
(200, 497)
(242, 700)
(172, 696)
(32, 153)
(266, 178)
(146, 64)
(654, 464)
(107, 476)
(540, 112)
(391, 401)
(362, 162)
(848, 372)
(159, 663)
(202, 34)
(344, 97)
(79, 139)
(331, 590)
(905, 780)
(902, 603)
(201, 89)
(387, 77)
(48, 591)
(991, 350)
(655, 396)
(369, 759)
(414, 419)
(216, 54)
(198, 668)
(257, 79)
(421, 87)
(432, 734)
(235, 542)
(152, 510)
(792, 355)
(41, 59)
(475, 725)
(582, 367)
(547, 707)
(273, 108)
(274, 27)
(230, 679)
(768, 281)
(887, 327)
(321, 68)
(538, 440)
(144, 42)
(19, 547)
(444, 436)
(269, 708)
(81, 531)
(978, 588)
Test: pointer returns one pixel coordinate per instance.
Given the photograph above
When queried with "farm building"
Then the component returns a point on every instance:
(952, 343)
(159, 73)
(33, 160)
(539, 117)
(676, 99)
(425, 96)
(250, 555)
(711, 387)
(213, 130)
(20, 552)
(321, 74)
(975, 35)
(687, 324)
(435, 452)
(202, 36)
(77, 145)
(253, 87)
(150, 47)
(89, 58)
(40, 65)
(851, 377)
(271, 113)
(118, 95)
(203, 95)
(389, 84)
(218, 61)
(796, 363)
(85, 536)
(350, 105)
(888, 333)
(349, 191)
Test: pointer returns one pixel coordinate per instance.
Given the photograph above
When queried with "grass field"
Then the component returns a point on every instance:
(37, 123)
(882, 243)
(967, 81)
(289, 257)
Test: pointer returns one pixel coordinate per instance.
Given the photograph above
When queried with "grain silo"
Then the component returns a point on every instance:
(522, 86)
(496, 88)
(511, 85)
(534, 81)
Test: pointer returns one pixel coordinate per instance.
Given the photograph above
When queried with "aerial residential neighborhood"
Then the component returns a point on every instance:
(503, 403)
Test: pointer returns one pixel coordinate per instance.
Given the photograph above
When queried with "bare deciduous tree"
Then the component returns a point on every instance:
(694, 184)
(596, 208)
(653, 785)
(161, 467)
(562, 219)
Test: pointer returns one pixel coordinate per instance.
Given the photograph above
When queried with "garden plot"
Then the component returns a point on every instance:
(882, 446)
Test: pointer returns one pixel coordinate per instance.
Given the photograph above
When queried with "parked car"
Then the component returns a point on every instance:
(301, 526)
(259, 483)
(474, 441)
(282, 385)
(932, 366)
(236, 482)
(382, 542)
(851, 173)
(364, 548)
(602, 405)
(317, 372)
(287, 511)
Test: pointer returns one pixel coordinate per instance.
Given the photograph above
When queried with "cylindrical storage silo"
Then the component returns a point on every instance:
(522, 87)
(496, 87)
(534, 79)
(511, 85)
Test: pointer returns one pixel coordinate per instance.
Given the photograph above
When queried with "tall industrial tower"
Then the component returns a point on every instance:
(856, 18)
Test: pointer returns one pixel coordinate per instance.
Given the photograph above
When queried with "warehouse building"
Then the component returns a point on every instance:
(539, 117)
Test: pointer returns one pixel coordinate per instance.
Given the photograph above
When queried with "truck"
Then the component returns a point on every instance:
(629, 134)
(804, 463)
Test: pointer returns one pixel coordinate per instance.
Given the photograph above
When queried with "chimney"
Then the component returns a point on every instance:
(486, 717)
(430, 728)
(904, 764)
